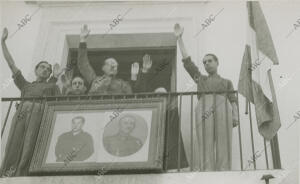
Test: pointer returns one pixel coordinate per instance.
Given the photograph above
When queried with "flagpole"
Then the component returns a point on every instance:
(274, 141)
(252, 138)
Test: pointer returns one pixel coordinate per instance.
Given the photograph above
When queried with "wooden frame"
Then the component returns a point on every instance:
(59, 115)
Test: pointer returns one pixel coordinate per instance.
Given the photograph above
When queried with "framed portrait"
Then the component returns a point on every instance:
(108, 136)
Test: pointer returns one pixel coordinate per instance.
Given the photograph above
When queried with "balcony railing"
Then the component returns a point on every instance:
(186, 103)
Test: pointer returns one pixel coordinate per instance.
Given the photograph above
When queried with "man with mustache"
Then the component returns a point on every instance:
(105, 84)
(123, 143)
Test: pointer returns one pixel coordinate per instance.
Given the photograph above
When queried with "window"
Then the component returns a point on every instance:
(162, 72)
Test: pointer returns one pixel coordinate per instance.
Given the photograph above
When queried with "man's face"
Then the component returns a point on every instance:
(78, 84)
(110, 67)
(127, 125)
(210, 64)
(43, 71)
(77, 124)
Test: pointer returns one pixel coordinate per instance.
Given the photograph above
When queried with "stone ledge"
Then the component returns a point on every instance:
(230, 177)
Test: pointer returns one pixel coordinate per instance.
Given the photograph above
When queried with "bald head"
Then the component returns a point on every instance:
(160, 90)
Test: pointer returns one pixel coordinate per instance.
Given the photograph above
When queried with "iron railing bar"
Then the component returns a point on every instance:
(215, 136)
(179, 135)
(96, 95)
(6, 118)
(169, 102)
(266, 154)
(228, 130)
(192, 134)
(203, 131)
(252, 140)
(239, 132)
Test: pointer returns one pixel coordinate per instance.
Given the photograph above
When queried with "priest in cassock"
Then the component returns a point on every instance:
(214, 131)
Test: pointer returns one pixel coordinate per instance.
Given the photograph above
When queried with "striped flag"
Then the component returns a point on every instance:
(255, 82)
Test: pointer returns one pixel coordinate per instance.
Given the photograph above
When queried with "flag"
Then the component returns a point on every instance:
(255, 82)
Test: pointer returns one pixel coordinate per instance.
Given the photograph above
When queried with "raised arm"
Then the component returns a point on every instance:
(178, 31)
(190, 67)
(143, 76)
(7, 56)
(83, 63)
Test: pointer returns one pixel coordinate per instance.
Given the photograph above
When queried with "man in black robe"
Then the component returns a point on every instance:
(173, 146)
(75, 145)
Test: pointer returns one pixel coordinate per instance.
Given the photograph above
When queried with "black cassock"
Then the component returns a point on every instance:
(172, 127)
(71, 147)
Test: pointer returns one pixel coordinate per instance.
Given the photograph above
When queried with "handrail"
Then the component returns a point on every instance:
(113, 95)
(171, 97)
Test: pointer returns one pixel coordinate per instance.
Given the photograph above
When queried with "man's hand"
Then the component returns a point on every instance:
(66, 79)
(57, 70)
(4, 34)
(84, 33)
(134, 70)
(178, 30)
(147, 63)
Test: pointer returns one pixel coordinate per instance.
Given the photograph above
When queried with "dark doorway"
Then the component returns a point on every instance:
(163, 64)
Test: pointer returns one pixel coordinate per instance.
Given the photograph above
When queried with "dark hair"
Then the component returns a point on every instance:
(79, 117)
(36, 67)
(214, 56)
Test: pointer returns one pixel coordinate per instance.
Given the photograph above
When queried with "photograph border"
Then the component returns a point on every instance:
(155, 161)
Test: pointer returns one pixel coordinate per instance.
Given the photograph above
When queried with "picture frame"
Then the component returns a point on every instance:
(115, 136)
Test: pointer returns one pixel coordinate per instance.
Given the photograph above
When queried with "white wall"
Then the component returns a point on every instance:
(225, 37)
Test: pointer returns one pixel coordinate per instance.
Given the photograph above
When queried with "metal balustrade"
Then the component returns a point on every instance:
(175, 100)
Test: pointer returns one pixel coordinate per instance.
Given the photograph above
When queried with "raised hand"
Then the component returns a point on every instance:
(134, 70)
(147, 63)
(4, 34)
(178, 30)
(84, 33)
(66, 79)
(57, 70)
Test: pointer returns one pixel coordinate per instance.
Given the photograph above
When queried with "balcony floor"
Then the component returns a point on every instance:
(247, 177)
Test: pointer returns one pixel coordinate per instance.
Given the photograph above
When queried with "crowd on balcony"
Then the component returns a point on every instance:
(25, 123)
